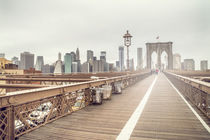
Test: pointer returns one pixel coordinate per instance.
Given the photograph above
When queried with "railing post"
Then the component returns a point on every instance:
(11, 123)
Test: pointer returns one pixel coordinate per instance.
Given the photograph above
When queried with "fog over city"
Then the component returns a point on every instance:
(46, 27)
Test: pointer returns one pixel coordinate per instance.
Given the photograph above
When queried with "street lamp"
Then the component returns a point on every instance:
(127, 43)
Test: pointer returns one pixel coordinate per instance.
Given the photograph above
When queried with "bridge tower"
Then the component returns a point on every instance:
(159, 48)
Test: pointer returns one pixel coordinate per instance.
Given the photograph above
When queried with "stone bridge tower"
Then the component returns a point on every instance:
(159, 48)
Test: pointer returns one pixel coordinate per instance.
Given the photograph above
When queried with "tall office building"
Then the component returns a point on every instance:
(26, 61)
(103, 55)
(98, 66)
(139, 58)
(68, 62)
(86, 67)
(46, 68)
(77, 54)
(121, 58)
(58, 65)
(2, 55)
(39, 63)
(189, 64)
(177, 61)
(117, 63)
(74, 67)
(89, 55)
(15, 60)
(204, 65)
(131, 64)
(73, 56)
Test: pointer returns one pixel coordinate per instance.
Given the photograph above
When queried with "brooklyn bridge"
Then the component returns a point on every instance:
(115, 105)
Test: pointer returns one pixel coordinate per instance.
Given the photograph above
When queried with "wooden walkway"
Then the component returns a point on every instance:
(165, 116)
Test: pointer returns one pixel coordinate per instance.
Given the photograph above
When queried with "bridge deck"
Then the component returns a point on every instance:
(165, 116)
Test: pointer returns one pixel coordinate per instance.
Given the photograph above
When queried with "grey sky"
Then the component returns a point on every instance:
(46, 27)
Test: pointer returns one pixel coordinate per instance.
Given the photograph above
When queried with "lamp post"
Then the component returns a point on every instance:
(127, 43)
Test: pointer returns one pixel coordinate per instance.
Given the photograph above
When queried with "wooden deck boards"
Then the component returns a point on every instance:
(165, 116)
(95, 121)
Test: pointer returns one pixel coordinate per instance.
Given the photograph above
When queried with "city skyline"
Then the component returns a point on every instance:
(62, 27)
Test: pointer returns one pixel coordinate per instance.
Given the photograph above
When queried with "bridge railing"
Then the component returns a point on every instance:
(24, 111)
(198, 92)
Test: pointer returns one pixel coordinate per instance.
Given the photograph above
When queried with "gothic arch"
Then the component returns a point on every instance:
(159, 48)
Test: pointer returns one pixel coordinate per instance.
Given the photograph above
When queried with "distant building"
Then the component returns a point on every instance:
(117, 63)
(39, 63)
(139, 58)
(52, 68)
(86, 67)
(182, 65)
(2, 55)
(77, 54)
(98, 66)
(46, 68)
(74, 67)
(58, 65)
(189, 64)
(68, 63)
(15, 60)
(73, 56)
(89, 55)
(103, 56)
(106, 67)
(204, 65)
(131, 64)
(26, 61)
(111, 66)
(4, 63)
(121, 58)
(78, 66)
(177, 61)
(94, 58)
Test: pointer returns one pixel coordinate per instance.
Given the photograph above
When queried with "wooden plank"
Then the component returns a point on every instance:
(95, 121)
(166, 116)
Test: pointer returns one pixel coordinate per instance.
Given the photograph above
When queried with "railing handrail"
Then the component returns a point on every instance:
(18, 97)
(204, 86)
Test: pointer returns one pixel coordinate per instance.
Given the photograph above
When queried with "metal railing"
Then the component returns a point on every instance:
(24, 111)
(198, 92)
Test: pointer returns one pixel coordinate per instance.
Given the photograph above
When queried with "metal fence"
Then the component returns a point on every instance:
(28, 110)
(196, 91)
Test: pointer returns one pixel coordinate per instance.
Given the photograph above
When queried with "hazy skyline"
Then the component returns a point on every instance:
(46, 27)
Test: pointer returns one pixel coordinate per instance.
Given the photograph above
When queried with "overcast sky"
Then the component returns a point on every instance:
(46, 27)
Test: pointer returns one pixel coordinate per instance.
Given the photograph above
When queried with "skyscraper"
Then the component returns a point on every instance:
(89, 55)
(77, 54)
(189, 64)
(26, 60)
(103, 55)
(177, 61)
(74, 67)
(139, 58)
(2, 55)
(39, 63)
(15, 60)
(68, 62)
(58, 65)
(73, 56)
(86, 67)
(46, 68)
(121, 58)
(131, 64)
(204, 65)
(98, 66)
